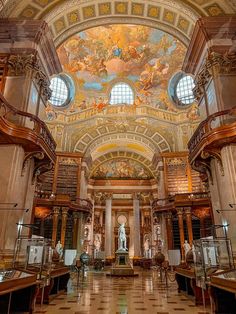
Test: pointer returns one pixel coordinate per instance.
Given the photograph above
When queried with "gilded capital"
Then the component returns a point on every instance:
(179, 211)
(56, 211)
(64, 211)
(188, 210)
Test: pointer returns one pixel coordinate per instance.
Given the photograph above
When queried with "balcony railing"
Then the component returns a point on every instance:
(185, 198)
(13, 119)
(49, 199)
(214, 124)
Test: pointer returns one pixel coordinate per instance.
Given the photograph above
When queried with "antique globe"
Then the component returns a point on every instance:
(84, 258)
(159, 258)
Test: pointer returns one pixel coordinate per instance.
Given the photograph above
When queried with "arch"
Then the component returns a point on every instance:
(70, 17)
(66, 18)
(101, 134)
(147, 164)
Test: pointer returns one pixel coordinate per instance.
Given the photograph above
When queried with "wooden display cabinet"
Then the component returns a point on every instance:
(17, 291)
(222, 290)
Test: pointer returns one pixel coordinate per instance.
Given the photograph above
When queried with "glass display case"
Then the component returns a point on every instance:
(211, 255)
(34, 254)
(17, 291)
(225, 279)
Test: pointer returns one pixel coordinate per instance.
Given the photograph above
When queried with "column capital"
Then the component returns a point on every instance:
(188, 210)
(75, 215)
(64, 211)
(179, 211)
(137, 196)
(107, 196)
(168, 215)
(56, 210)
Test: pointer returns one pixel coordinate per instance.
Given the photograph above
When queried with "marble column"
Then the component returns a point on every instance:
(64, 214)
(136, 210)
(188, 215)
(56, 211)
(169, 231)
(75, 230)
(181, 230)
(80, 234)
(108, 226)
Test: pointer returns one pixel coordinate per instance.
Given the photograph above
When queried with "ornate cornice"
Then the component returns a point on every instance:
(19, 65)
(215, 64)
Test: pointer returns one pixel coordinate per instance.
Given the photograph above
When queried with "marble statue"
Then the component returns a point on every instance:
(97, 245)
(122, 238)
(186, 247)
(146, 246)
(59, 249)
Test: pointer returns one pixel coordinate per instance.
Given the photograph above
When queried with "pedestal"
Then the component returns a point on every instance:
(122, 266)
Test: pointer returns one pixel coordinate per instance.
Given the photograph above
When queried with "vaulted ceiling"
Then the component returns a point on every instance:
(67, 17)
(99, 138)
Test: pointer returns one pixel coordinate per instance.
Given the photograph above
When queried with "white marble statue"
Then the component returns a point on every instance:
(59, 249)
(122, 238)
(186, 247)
(97, 245)
(146, 246)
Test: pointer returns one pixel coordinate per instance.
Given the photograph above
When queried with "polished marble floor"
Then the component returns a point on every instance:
(98, 293)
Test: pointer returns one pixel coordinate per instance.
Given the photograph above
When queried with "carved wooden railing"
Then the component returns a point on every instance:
(49, 199)
(213, 124)
(14, 119)
(163, 204)
(171, 202)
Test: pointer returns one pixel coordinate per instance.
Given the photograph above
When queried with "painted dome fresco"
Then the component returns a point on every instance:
(144, 57)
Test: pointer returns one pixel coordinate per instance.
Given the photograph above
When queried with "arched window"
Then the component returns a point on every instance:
(62, 90)
(121, 93)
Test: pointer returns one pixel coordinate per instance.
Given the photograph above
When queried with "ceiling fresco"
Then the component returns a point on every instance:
(121, 168)
(142, 56)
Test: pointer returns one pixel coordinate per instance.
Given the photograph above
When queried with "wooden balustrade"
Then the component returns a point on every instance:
(47, 199)
(183, 199)
(216, 124)
(12, 119)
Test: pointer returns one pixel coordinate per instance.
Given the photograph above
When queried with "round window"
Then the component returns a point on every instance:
(181, 89)
(62, 91)
(184, 90)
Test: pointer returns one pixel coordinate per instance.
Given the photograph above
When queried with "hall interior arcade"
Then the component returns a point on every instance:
(117, 113)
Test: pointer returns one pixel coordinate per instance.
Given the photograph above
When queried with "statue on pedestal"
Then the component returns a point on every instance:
(186, 247)
(59, 249)
(122, 238)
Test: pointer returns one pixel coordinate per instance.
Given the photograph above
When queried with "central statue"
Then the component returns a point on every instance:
(122, 238)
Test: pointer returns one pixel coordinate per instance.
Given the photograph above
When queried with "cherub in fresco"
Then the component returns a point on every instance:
(90, 63)
(102, 71)
(138, 101)
(75, 48)
(101, 104)
(75, 66)
(146, 78)
(132, 51)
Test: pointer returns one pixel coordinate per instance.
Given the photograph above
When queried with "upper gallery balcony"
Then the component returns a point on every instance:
(212, 134)
(25, 129)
